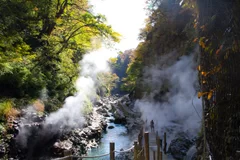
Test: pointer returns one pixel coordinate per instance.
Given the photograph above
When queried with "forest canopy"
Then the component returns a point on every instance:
(41, 43)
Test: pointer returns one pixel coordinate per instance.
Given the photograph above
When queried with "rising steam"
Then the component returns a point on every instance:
(171, 104)
(71, 114)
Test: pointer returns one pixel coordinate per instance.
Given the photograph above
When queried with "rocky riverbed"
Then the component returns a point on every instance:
(41, 143)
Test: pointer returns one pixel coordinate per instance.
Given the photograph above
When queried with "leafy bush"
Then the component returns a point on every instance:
(88, 106)
(7, 110)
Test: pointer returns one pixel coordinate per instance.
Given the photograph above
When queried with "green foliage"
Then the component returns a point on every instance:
(52, 105)
(5, 108)
(107, 81)
(169, 29)
(133, 72)
(41, 43)
(135, 66)
(119, 66)
(88, 106)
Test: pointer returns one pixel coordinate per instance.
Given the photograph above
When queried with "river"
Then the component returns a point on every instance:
(118, 135)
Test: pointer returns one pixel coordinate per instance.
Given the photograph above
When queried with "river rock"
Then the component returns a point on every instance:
(99, 103)
(133, 123)
(2, 149)
(110, 127)
(104, 124)
(125, 156)
(65, 145)
(60, 146)
(101, 110)
(119, 116)
(180, 145)
(111, 120)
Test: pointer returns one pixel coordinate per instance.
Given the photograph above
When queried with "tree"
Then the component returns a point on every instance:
(41, 43)
(169, 29)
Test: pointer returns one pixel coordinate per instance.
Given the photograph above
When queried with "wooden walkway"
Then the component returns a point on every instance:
(150, 146)
(153, 147)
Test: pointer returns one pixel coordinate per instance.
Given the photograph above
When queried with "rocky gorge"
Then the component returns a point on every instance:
(44, 144)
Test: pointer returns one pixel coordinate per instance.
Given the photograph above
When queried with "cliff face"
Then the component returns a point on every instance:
(219, 75)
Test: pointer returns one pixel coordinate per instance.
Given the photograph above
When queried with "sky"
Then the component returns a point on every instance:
(125, 16)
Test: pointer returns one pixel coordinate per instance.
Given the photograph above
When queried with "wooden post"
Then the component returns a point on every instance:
(165, 143)
(140, 155)
(146, 148)
(67, 153)
(112, 148)
(158, 148)
(161, 156)
(135, 151)
(161, 144)
(140, 139)
(154, 155)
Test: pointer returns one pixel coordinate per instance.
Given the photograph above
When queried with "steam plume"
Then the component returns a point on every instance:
(71, 114)
(171, 104)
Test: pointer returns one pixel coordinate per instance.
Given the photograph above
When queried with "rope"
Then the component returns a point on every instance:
(97, 156)
(125, 150)
(139, 153)
(62, 158)
(103, 155)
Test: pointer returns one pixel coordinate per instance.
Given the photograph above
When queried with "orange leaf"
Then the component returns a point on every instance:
(203, 27)
(204, 73)
(195, 40)
(219, 49)
(195, 25)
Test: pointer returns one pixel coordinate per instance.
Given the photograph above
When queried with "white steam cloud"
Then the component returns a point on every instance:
(71, 114)
(171, 104)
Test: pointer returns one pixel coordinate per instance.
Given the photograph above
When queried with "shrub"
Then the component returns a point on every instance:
(7, 110)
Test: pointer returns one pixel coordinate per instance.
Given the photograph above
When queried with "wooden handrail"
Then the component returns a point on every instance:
(140, 152)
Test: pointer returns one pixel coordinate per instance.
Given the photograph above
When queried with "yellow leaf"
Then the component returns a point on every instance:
(59, 21)
(35, 9)
(210, 95)
(199, 68)
(202, 44)
(200, 94)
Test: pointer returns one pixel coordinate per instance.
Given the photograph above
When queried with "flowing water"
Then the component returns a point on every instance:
(118, 135)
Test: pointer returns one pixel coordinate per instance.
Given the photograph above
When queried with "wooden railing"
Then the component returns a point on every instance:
(147, 147)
